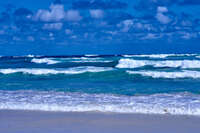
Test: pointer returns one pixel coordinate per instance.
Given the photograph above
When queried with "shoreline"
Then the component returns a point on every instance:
(23, 121)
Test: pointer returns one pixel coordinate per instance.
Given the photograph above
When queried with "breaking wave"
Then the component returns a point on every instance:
(44, 60)
(170, 75)
(131, 63)
(91, 55)
(159, 55)
(91, 60)
(41, 71)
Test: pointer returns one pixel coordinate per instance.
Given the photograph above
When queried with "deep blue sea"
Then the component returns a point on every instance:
(152, 84)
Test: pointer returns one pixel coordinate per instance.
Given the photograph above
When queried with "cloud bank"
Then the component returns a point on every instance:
(102, 21)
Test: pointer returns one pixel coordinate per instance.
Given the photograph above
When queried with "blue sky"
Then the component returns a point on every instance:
(66, 27)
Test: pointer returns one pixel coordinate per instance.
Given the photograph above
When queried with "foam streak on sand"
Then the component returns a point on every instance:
(42, 71)
(131, 63)
(171, 75)
(177, 104)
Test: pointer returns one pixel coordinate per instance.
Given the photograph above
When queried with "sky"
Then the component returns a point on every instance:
(74, 27)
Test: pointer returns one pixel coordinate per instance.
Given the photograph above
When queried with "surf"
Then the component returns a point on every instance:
(132, 63)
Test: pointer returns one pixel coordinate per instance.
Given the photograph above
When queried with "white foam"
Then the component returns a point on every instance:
(158, 55)
(44, 60)
(41, 71)
(171, 75)
(198, 56)
(150, 56)
(131, 63)
(30, 55)
(176, 104)
(91, 55)
(89, 60)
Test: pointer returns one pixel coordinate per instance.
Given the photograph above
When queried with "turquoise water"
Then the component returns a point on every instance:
(164, 83)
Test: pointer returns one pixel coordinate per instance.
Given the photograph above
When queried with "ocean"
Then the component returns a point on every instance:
(147, 84)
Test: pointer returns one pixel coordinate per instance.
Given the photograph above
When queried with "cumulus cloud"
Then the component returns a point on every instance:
(186, 35)
(52, 26)
(97, 14)
(161, 17)
(56, 13)
(73, 15)
(126, 25)
(162, 9)
(150, 36)
(155, 20)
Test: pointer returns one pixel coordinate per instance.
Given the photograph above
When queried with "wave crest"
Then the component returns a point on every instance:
(170, 75)
(159, 55)
(44, 60)
(41, 71)
(130, 63)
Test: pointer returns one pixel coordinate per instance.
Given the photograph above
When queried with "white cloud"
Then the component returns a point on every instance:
(56, 13)
(97, 14)
(139, 25)
(186, 35)
(186, 23)
(150, 36)
(73, 37)
(126, 24)
(161, 17)
(73, 15)
(162, 9)
(52, 26)
(111, 32)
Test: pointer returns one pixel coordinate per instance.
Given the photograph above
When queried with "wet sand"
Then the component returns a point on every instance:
(12, 121)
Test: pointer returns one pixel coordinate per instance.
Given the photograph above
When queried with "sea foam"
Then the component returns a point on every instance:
(175, 104)
(91, 55)
(131, 63)
(43, 71)
(159, 55)
(44, 60)
(170, 75)
(89, 60)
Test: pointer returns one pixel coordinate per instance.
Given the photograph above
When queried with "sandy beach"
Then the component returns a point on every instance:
(12, 121)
